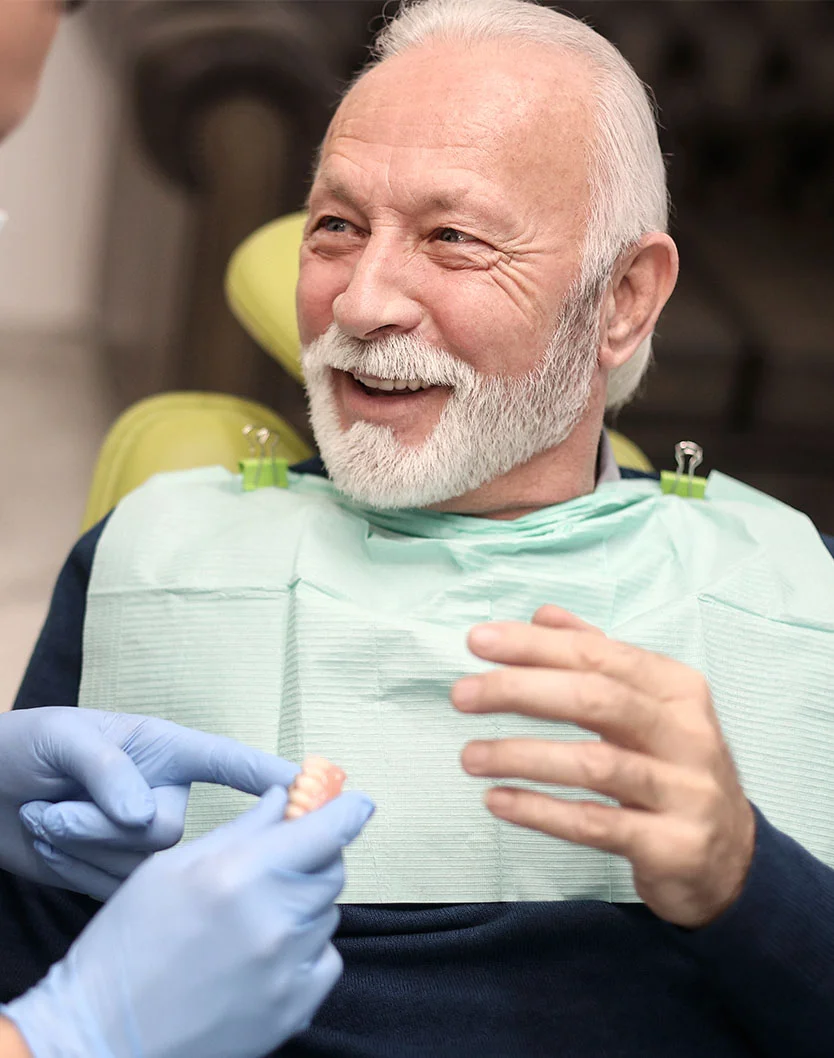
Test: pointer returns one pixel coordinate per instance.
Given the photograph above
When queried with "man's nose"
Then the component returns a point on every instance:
(377, 300)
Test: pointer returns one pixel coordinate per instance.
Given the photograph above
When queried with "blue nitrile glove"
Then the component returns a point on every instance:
(217, 949)
(62, 754)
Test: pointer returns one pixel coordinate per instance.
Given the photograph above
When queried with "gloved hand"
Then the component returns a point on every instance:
(217, 949)
(62, 754)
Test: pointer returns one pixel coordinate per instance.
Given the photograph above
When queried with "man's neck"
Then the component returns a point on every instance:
(554, 476)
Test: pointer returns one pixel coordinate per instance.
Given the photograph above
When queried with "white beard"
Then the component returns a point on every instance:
(488, 425)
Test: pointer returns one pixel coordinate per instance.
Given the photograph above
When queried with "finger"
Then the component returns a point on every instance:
(100, 857)
(514, 643)
(313, 924)
(255, 821)
(612, 829)
(171, 755)
(118, 863)
(106, 772)
(78, 876)
(315, 982)
(79, 826)
(633, 779)
(550, 616)
(594, 702)
(312, 842)
(321, 979)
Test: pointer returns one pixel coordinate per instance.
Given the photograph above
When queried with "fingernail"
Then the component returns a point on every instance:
(475, 756)
(365, 810)
(466, 691)
(484, 636)
(140, 808)
(499, 801)
(32, 822)
(56, 825)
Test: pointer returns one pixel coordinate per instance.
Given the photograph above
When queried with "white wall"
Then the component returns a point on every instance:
(53, 174)
(54, 180)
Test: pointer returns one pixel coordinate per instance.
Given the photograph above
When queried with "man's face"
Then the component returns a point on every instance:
(26, 31)
(447, 215)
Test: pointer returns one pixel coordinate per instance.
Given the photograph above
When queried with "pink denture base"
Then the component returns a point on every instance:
(318, 782)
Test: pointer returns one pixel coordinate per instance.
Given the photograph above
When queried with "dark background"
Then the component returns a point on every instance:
(229, 100)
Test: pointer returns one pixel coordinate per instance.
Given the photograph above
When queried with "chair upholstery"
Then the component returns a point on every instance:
(177, 431)
(260, 289)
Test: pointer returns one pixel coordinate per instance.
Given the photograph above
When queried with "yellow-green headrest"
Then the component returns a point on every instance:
(260, 288)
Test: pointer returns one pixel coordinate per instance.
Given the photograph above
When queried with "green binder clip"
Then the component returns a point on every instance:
(683, 481)
(264, 469)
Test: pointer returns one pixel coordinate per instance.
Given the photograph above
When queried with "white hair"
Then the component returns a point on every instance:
(628, 177)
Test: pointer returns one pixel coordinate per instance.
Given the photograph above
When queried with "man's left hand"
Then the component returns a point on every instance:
(682, 820)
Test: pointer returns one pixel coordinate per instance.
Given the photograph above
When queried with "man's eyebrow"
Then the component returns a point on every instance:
(334, 188)
(434, 202)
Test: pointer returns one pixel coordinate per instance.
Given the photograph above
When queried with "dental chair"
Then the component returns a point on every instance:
(178, 431)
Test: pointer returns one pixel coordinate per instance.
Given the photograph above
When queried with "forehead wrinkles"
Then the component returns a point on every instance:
(518, 116)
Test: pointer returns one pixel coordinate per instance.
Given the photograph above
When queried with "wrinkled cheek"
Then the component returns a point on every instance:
(317, 289)
(478, 321)
(313, 311)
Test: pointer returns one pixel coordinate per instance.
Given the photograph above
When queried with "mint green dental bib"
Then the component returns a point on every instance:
(298, 623)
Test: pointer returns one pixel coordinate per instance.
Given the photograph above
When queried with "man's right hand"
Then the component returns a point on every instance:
(217, 949)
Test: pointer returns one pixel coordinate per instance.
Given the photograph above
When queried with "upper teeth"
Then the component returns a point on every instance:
(389, 384)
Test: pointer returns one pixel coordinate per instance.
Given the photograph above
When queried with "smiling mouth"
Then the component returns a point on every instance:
(390, 387)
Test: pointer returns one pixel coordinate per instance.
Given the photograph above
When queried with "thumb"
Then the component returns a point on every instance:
(269, 811)
(312, 842)
(108, 775)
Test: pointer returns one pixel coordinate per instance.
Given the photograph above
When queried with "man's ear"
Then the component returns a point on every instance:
(640, 287)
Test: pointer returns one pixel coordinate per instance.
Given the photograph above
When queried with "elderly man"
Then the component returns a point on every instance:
(484, 262)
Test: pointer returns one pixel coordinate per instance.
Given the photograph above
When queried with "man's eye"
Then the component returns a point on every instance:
(333, 224)
(452, 235)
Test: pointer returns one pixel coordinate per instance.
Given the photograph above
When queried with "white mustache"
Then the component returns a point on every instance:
(398, 356)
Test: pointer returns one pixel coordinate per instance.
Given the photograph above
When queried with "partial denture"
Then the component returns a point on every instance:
(318, 782)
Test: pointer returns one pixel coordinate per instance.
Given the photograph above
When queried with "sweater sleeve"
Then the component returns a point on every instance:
(53, 675)
(38, 923)
(771, 955)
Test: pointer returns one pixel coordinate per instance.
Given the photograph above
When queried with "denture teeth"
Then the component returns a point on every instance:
(388, 385)
(318, 782)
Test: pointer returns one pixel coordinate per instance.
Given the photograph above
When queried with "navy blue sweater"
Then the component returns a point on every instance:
(522, 980)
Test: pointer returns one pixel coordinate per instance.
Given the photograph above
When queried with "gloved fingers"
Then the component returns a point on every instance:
(292, 943)
(83, 752)
(77, 875)
(314, 936)
(172, 755)
(308, 897)
(118, 863)
(237, 833)
(322, 976)
(312, 842)
(80, 829)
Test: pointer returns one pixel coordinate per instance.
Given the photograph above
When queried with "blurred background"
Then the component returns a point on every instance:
(168, 130)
